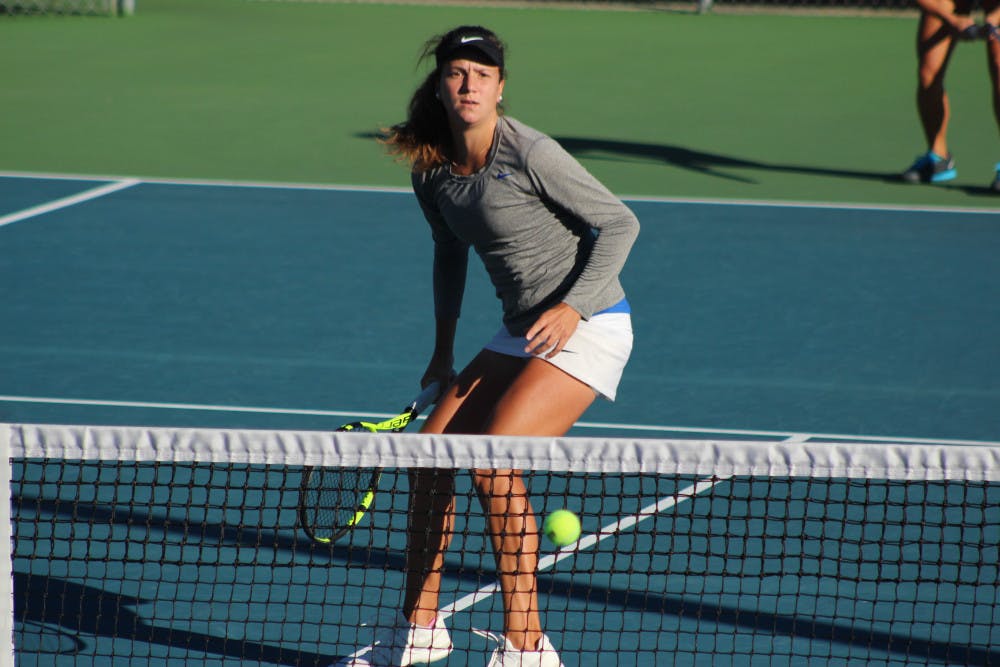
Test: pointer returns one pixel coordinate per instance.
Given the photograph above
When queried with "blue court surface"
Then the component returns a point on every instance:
(840, 320)
(129, 302)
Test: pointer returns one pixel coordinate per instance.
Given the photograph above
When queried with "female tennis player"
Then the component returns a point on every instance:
(553, 240)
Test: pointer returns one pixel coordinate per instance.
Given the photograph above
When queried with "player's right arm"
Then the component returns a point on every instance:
(450, 268)
(441, 367)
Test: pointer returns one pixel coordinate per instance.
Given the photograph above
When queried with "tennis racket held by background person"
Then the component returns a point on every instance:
(981, 31)
(332, 501)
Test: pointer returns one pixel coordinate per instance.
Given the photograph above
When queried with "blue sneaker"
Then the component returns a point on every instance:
(931, 168)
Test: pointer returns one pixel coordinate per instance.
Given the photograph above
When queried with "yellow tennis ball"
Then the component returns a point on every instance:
(562, 527)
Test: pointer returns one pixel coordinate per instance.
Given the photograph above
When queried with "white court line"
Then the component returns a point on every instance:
(845, 206)
(585, 542)
(791, 437)
(707, 201)
(65, 202)
(215, 183)
(190, 406)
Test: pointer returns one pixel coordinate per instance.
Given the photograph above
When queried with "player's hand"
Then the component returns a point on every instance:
(548, 335)
(441, 369)
(973, 32)
(965, 28)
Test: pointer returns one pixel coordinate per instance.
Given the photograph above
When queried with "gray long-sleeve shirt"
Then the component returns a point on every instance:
(546, 230)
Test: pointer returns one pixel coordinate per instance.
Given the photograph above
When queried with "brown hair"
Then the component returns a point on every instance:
(424, 138)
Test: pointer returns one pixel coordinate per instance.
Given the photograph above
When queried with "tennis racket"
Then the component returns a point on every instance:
(981, 31)
(332, 501)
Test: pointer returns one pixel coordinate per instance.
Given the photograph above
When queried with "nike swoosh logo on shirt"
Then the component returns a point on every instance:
(502, 175)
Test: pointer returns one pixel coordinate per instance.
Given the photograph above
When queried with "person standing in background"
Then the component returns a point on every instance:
(943, 23)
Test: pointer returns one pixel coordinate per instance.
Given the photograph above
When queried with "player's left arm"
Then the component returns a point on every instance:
(558, 177)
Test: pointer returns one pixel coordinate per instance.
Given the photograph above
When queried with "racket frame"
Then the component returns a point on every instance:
(392, 425)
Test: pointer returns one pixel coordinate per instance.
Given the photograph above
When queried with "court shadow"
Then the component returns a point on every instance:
(221, 534)
(85, 610)
(770, 624)
(51, 604)
(702, 162)
(980, 191)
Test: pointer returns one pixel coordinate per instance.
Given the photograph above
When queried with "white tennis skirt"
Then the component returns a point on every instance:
(595, 354)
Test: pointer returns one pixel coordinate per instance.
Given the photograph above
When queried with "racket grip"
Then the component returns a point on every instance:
(429, 395)
(974, 32)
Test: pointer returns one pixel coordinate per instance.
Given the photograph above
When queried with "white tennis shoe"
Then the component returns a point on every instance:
(403, 645)
(510, 656)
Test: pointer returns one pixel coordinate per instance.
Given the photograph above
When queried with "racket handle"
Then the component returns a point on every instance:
(973, 32)
(985, 31)
(426, 397)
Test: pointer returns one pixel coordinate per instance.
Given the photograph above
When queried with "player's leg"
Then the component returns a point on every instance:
(543, 401)
(935, 44)
(934, 48)
(465, 407)
(417, 636)
(430, 526)
(991, 10)
(495, 394)
(513, 533)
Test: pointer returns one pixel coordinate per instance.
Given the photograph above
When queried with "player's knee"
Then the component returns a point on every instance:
(930, 79)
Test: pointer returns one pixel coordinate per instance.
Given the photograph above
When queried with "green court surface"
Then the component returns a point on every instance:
(654, 102)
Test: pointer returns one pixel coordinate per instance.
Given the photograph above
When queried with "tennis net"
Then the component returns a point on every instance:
(139, 546)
